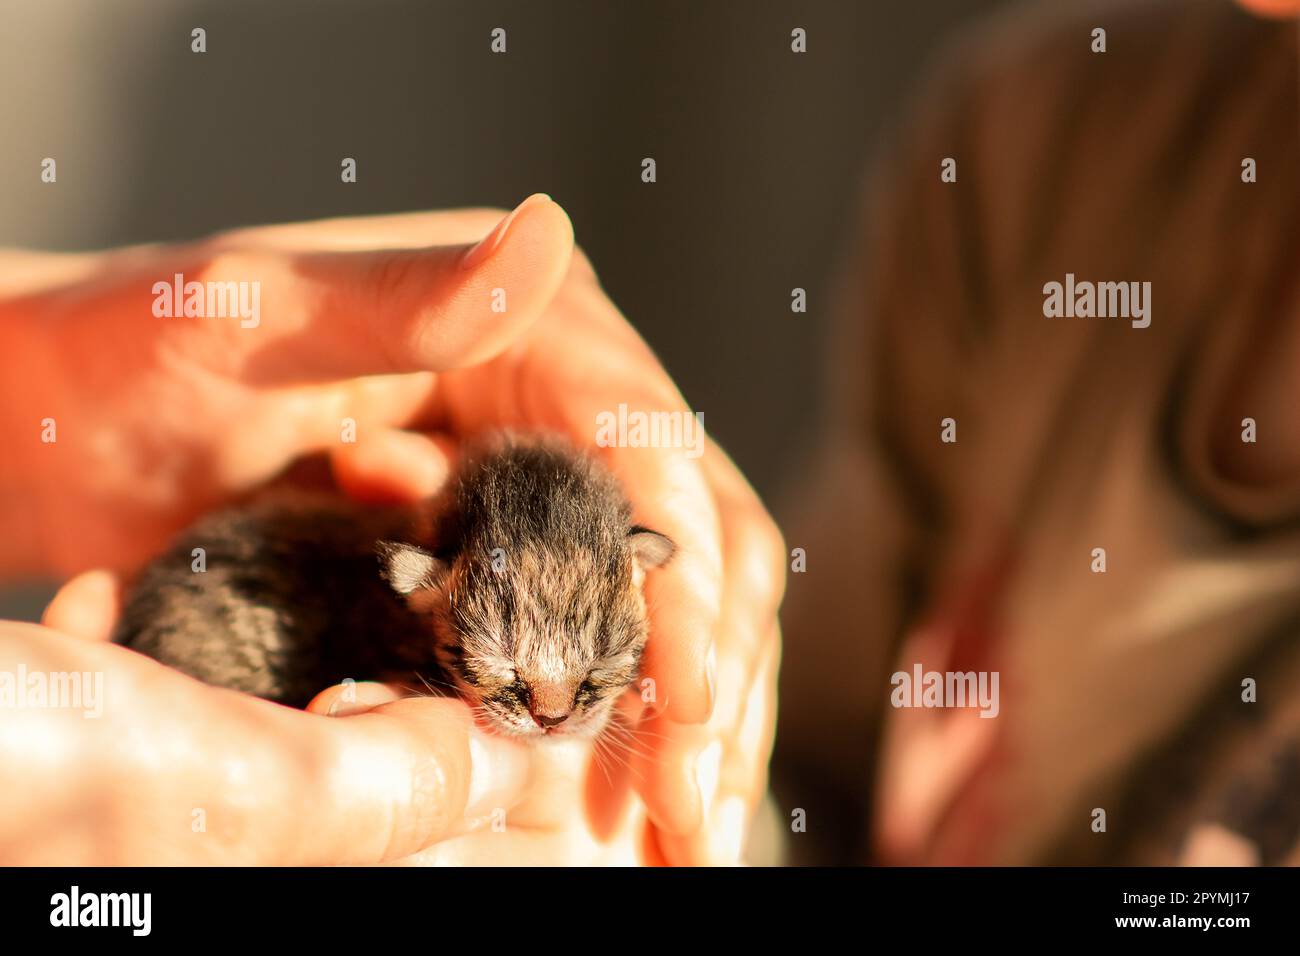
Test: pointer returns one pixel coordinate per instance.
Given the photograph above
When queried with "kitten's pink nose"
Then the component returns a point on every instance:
(549, 703)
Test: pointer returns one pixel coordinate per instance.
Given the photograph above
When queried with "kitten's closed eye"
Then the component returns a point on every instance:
(516, 689)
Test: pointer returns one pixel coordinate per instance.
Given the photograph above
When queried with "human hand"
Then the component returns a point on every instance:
(698, 754)
(576, 810)
(158, 419)
(579, 807)
(151, 767)
(712, 609)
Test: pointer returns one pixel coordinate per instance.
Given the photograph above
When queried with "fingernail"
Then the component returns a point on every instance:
(708, 771)
(479, 253)
(350, 698)
(498, 774)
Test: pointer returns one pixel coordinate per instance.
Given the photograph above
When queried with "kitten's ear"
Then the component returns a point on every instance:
(650, 548)
(408, 568)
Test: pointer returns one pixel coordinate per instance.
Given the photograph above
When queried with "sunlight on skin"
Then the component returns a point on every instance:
(660, 758)
(375, 319)
(578, 808)
(165, 418)
(275, 785)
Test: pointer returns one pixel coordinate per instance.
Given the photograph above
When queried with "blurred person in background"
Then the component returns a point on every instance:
(1104, 512)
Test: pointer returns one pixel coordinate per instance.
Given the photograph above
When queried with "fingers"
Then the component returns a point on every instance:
(733, 776)
(349, 417)
(674, 775)
(176, 771)
(393, 466)
(283, 787)
(433, 308)
(754, 546)
(692, 776)
(86, 607)
(397, 779)
(702, 782)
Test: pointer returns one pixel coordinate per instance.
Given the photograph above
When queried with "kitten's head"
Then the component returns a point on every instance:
(534, 590)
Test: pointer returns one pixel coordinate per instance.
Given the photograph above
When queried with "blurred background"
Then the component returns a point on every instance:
(760, 152)
(1115, 167)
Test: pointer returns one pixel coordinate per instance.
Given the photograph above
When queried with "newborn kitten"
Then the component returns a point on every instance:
(520, 587)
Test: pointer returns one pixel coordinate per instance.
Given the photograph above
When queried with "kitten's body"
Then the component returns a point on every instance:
(519, 586)
(291, 600)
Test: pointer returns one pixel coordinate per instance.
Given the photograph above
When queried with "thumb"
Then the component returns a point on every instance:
(404, 776)
(434, 308)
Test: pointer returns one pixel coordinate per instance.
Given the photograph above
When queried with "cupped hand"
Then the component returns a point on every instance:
(574, 810)
(145, 766)
(579, 807)
(698, 751)
(379, 321)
